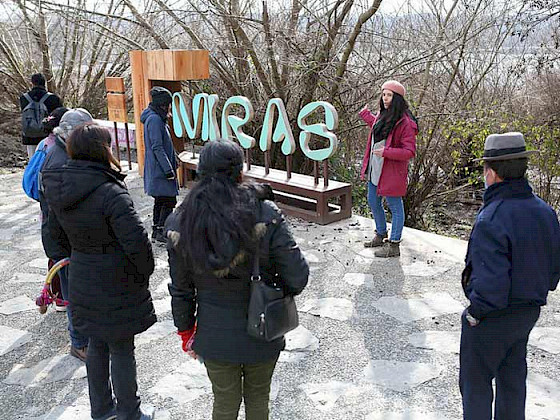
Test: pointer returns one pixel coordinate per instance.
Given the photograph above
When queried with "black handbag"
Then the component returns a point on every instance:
(271, 312)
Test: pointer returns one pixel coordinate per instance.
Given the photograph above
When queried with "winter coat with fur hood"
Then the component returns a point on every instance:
(218, 302)
(111, 259)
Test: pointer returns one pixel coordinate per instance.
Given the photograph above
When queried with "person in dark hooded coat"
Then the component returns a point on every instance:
(160, 165)
(212, 237)
(110, 265)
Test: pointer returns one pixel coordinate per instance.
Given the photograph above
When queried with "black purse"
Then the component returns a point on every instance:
(271, 312)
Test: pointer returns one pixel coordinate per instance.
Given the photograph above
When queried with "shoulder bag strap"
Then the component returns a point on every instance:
(255, 272)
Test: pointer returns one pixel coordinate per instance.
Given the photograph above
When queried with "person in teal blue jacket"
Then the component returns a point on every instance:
(160, 164)
(512, 262)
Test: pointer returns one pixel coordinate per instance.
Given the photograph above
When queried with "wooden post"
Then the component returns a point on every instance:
(117, 142)
(316, 172)
(289, 167)
(128, 146)
(326, 173)
(116, 107)
(140, 93)
(193, 140)
(267, 162)
(248, 158)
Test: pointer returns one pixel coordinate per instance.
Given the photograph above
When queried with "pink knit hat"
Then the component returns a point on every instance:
(394, 86)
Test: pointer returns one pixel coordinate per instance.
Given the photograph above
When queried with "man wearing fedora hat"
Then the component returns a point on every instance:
(512, 262)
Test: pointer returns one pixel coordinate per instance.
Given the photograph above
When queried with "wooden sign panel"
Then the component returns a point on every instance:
(114, 84)
(116, 106)
(178, 65)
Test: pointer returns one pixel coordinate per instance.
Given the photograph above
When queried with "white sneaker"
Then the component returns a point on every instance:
(60, 305)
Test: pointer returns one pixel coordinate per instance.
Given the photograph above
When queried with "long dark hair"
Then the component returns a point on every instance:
(53, 119)
(399, 106)
(93, 143)
(218, 215)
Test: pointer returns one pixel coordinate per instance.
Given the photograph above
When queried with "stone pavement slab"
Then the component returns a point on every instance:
(41, 263)
(54, 369)
(156, 332)
(546, 338)
(325, 395)
(335, 308)
(358, 279)
(400, 376)
(413, 309)
(543, 394)
(27, 278)
(440, 341)
(11, 338)
(185, 384)
(18, 304)
(406, 415)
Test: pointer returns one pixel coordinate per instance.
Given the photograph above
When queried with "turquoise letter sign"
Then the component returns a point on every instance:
(203, 112)
(282, 131)
(233, 122)
(319, 129)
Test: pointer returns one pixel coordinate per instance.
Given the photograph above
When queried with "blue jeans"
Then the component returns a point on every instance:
(397, 211)
(76, 339)
(122, 377)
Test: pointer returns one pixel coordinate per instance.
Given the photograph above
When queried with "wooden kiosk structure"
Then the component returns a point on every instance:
(299, 195)
(165, 68)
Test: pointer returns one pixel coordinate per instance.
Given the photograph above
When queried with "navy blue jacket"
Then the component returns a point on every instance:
(513, 257)
(159, 159)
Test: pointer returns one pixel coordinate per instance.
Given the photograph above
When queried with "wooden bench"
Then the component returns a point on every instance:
(298, 196)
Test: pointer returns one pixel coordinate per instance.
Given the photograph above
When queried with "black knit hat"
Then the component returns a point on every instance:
(160, 96)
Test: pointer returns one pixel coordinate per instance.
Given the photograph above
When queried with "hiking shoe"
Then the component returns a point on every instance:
(376, 241)
(147, 413)
(60, 305)
(389, 249)
(155, 231)
(111, 415)
(160, 237)
(79, 353)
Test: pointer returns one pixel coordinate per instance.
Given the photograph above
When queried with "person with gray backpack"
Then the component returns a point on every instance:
(36, 104)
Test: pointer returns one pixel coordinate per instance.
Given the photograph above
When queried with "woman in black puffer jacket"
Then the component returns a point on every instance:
(212, 238)
(109, 269)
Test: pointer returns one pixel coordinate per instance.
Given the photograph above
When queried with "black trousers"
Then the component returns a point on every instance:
(232, 382)
(122, 377)
(496, 348)
(163, 207)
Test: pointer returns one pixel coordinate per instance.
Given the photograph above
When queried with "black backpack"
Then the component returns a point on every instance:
(32, 116)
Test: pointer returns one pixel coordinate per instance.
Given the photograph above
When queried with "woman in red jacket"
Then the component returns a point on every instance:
(391, 144)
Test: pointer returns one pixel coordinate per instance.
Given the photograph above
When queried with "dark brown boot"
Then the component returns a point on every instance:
(376, 241)
(389, 249)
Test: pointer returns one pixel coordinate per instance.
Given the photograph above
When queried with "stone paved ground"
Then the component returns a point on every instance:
(378, 338)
